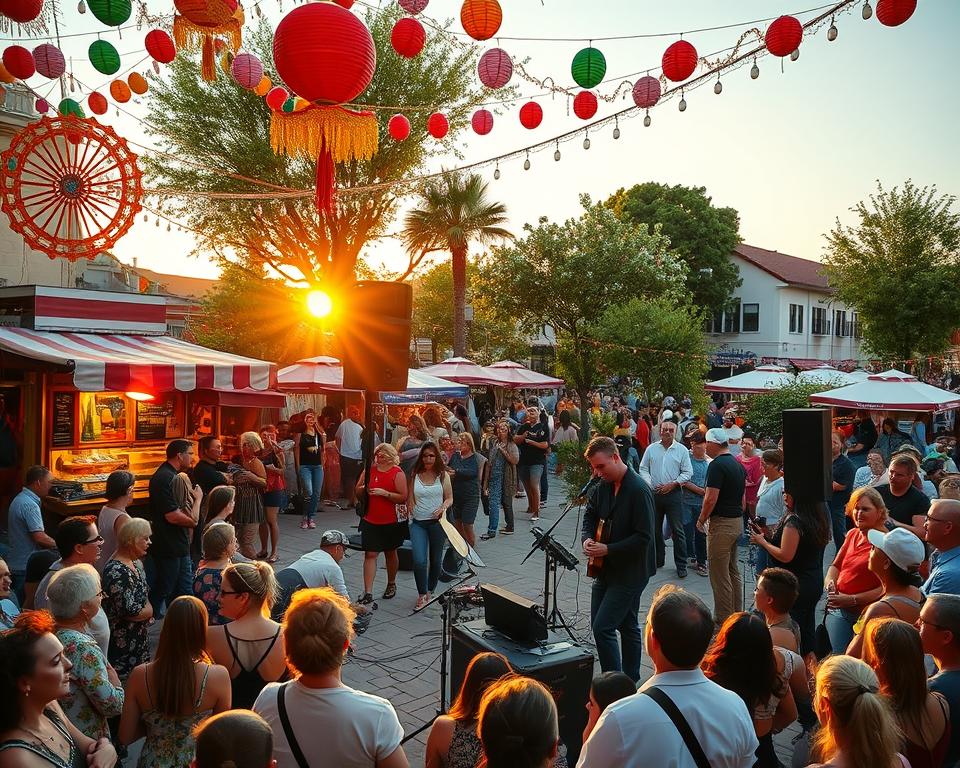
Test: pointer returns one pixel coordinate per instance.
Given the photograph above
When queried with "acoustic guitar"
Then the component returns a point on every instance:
(595, 564)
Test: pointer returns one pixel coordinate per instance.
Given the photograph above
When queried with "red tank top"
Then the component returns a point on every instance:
(383, 510)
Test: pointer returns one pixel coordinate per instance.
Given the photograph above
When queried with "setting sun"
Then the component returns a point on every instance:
(319, 304)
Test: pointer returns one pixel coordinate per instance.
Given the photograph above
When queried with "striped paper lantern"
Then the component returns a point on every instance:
(49, 61)
(104, 57)
(42, 106)
(531, 115)
(414, 6)
(585, 105)
(408, 37)
(398, 127)
(19, 62)
(482, 122)
(893, 13)
(481, 18)
(588, 68)
(246, 70)
(160, 46)
(646, 92)
(120, 91)
(679, 61)
(21, 11)
(138, 83)
(783, 36)
(495, 68)
(438, 125)
(98, 103)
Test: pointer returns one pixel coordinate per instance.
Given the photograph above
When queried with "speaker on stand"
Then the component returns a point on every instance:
(807, 454)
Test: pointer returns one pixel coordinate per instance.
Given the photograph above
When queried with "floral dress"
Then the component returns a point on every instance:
(92, 698)
(206, 587)
(125, 595)
(169, 742)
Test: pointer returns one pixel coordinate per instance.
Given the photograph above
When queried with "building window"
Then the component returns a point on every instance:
(751, 318)
(855, 326)
(819, 324)
(840, 327)
(731, 319)
(796, 318)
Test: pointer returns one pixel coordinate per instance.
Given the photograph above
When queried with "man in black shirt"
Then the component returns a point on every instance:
(906, 503)
(170, 572)
(625, 503)
(723, 508)
(208, 473)
(533, 437)
(864, 438)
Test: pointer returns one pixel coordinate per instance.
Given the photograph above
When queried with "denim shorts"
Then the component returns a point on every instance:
(529, 473)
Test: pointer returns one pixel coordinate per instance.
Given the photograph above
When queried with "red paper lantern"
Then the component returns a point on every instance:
(892, 13)
(481, 18)
(348, 4)
(276, 97)
(160, 46)
(783, 36)
(646, 92)
(413, 6)
(324, 53)
(495, 68)
(399, 127)
(437, 125)
(531, 115)
(120, 91)
(408, 37)
(679, 61)
(21, 11)
(97, 103)
(482, 122)
(42, 106)
(49, 61)
(19, 62)
(247, 70)
(585, 105)
(206, 13)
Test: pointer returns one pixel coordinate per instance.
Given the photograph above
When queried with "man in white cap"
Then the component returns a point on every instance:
(733, 432)
(723, 508)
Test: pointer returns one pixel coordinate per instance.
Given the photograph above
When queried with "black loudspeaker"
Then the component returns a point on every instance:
(374, 336)
(566, 669)
(807, 454)
(515, 616)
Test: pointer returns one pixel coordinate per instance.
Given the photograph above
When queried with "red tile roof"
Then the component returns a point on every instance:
(178, 285)
(789, 269)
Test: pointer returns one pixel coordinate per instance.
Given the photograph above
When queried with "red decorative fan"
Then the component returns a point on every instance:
(71, 187)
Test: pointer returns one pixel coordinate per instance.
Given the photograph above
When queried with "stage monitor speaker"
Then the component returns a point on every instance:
(564, 668)
(374, 334)
(807, 455)
(515, 616)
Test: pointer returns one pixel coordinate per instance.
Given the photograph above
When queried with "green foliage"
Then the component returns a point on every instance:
(566, 275)
(491, 336)
(576, 468)
(453, 212)
(700, 234)
(764, 413)
(899, 268)
(631, 329)
(220, 129)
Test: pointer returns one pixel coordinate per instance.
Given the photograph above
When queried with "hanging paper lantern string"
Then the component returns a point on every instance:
(160, 46)
(198, 23)
(783, 36)
(408, 37)
(531, 115)
(482, 122)
(49, 61)
(588, 68)
(495, 68)
(481, 18)
(679, 61)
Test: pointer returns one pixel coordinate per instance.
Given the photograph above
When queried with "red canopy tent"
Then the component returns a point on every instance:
(891, 390)
(462, 370)
(513, 374)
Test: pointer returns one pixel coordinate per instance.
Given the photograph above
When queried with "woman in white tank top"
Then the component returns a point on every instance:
(431, 495)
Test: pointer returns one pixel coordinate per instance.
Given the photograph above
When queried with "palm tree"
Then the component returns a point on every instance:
(452, 212)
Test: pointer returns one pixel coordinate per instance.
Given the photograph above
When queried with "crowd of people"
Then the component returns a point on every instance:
(246, 667)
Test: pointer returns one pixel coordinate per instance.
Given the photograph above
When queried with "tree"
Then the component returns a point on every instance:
(657, 343)
(491, 336)
(898, 267)
(700, 233)
(217, 137)
(451, 213)
(566, 275)
(764, 413)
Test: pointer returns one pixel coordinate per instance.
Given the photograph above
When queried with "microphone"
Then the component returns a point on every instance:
(588, 488)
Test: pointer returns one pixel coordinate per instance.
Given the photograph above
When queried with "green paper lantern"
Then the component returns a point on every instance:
(588, 68)
(104, 57)
(289, 104)
(70, 107)
(113, 13)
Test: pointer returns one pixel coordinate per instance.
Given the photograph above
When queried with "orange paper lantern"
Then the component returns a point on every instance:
(97, 103)
(137, 83)
(120, 91)
(199, 23)
(481, 18)
(263, 86)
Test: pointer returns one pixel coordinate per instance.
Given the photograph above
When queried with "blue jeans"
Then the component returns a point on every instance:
(426, 540)
(168, 579)
(839, 625)
(311, 477)
(696, 540)
(497, 497)
(614, 608)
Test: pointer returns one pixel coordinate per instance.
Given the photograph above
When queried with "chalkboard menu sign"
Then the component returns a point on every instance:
(152, 420)
(64, 410)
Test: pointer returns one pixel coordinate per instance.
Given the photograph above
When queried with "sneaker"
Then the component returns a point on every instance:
(507, 531)
(543, 505)
(303, 524)
(365, 599)
(488, 535)
(692, 560)
(534, 517)
(311, 524)
(701, 570)
(681, 573)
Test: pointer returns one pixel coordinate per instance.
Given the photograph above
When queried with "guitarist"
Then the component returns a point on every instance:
(625, 502)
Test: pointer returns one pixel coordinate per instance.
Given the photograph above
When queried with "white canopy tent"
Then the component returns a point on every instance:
(763, 378)
(891, 390)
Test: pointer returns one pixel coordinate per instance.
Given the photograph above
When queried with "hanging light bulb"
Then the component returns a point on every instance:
(526, 163)
(168, 226)
(647, 120)
(586, 141)
(156, 222)
(832, 32)
(556, 153)
(156, 67)
(145, 217)
(795, 55)
(867, 11)
(754, 71)
(682, 106)
(718, 87)
(616, 129)
(496, 172)
(81, 7)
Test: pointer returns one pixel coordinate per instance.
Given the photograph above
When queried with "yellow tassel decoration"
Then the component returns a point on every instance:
(189, 36)
(346, 135)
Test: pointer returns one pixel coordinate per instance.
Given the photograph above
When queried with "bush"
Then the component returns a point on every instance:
(576, 469)
(763, 414)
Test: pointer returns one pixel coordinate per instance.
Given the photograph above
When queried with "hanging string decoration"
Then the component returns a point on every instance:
(893, 13)
(438, 125)
(408, 37)
(588, 68)
(646, 92)
(49, 61)
(198, 23)
(104, 57)
(326, 55)
(585, 105)
(482, 122)
(71, 187)
(98, 103)
(495, 68)
(70, 107)
(531, 115)
(21, 11)
(160, 46)
(398, 127)
(19, 62)
(138, 83)
(481, 18)
(120, 91)
(679, 61)
(112, 13)
(414, 6)
(247, 70)
(783, 36)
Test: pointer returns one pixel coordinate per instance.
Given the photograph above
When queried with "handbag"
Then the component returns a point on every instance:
(680, 723)
(821, 639)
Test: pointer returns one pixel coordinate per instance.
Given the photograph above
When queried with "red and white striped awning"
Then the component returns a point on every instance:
(119, 363)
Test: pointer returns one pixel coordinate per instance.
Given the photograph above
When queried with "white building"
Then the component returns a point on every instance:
(785, 313)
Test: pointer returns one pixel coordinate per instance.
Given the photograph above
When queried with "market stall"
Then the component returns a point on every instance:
(98, 387)
(763, 378)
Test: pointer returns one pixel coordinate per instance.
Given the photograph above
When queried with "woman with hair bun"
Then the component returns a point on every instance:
(250, 646)
(518, 724)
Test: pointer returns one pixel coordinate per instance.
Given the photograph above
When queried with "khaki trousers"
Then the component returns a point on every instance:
(722, 535)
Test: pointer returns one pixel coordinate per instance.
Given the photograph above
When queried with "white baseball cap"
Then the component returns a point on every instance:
(716, 435)
(900, 545)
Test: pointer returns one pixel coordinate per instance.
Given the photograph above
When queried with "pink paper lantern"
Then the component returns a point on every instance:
(495, 68)
(482, 122)
(49, 61)
(414, 6)
(646, 92)
(247, 70)
(42, 105)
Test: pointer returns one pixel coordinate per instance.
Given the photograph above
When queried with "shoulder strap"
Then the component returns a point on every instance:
(203, 687)
(266, 653)
(681, 724)
(288, 729)
(233, 651)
